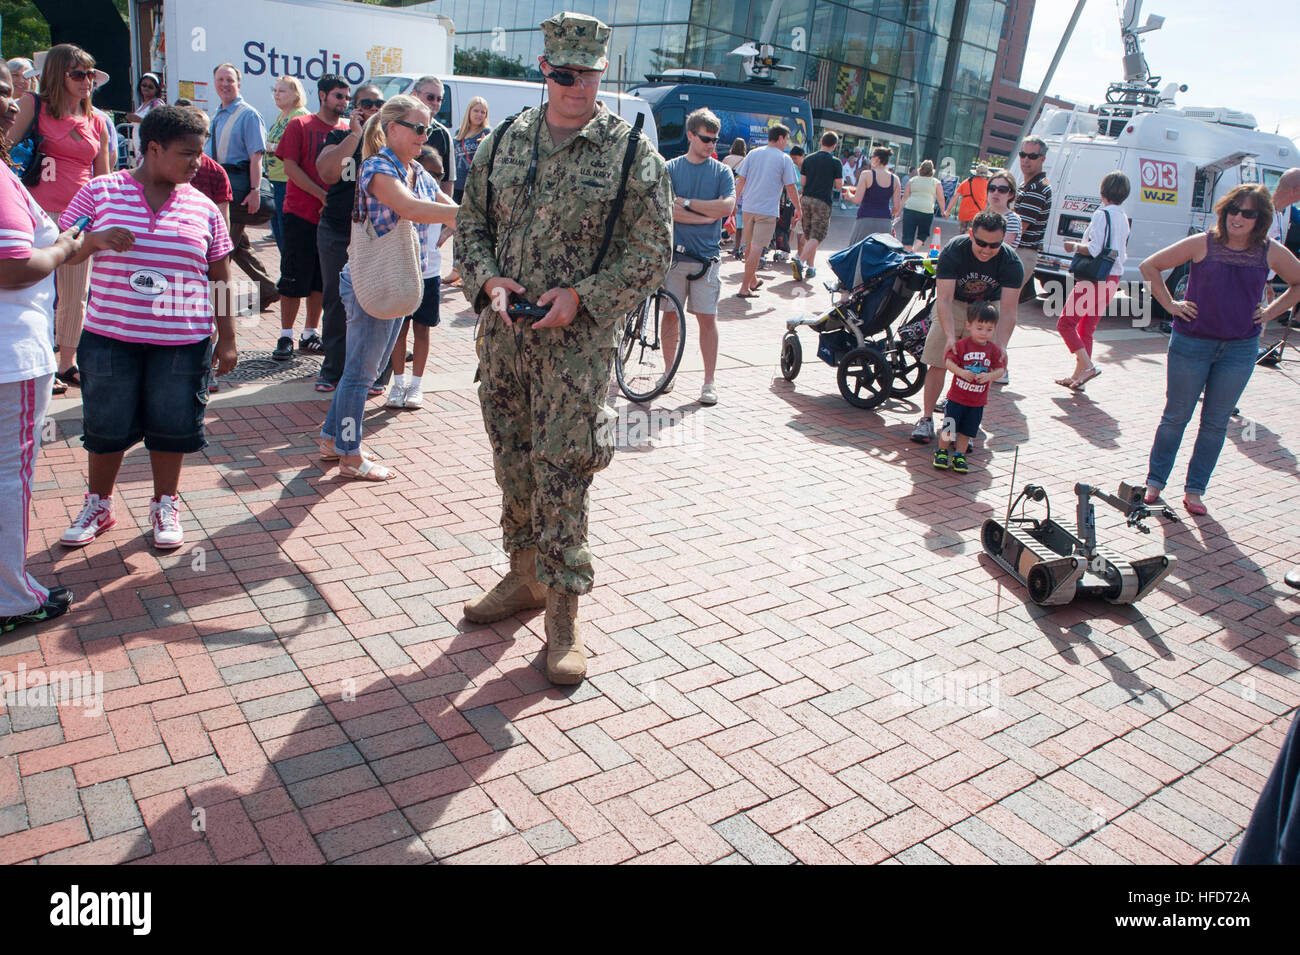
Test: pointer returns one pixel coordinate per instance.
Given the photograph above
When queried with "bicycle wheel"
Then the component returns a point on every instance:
(641, 364)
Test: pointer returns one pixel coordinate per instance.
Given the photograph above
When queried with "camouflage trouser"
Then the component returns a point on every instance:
(544, 407)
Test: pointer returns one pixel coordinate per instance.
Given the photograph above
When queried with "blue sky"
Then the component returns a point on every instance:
(1254, 71)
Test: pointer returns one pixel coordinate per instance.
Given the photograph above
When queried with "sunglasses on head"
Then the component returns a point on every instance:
(1025, 155)
(369, 103)
(986, 245)
(420, 129)
(999, 188)
(1248, 214)
(80, 75)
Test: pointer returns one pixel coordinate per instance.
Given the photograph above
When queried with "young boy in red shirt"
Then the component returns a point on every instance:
(974, 362)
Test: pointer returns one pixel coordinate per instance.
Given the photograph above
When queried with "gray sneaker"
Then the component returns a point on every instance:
(923, 433)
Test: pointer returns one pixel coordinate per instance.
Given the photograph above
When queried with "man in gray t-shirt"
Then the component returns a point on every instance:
(705, 195)
(759, 179)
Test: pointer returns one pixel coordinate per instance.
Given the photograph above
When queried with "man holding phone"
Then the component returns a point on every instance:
(556, 173)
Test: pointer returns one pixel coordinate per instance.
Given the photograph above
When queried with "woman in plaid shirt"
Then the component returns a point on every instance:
(393, 186)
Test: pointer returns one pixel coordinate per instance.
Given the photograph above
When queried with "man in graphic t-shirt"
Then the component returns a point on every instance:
(300, 274)
(976, 267)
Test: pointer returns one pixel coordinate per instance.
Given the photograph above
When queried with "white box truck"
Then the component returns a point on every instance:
(183, 41)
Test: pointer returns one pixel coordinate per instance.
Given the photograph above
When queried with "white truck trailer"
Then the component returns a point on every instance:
(183, 41)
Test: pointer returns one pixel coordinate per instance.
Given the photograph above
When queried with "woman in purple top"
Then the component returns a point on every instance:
(878, 196)
(1215, 338)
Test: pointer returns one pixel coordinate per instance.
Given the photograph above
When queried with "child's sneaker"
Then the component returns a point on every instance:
(396, 395)
(165, 516)
(941, 459)
(96, 517)
(959, 463)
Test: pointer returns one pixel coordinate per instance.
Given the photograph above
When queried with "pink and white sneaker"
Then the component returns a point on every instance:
(165, 516)
(96, 517)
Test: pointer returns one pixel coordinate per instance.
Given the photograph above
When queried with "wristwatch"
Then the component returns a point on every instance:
(686, 203)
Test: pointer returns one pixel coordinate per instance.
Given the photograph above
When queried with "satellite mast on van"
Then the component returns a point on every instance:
(760, 58)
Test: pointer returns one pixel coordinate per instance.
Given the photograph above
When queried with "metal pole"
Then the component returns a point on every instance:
(1051, 71)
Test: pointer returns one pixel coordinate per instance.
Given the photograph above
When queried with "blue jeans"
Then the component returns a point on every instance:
(370, 343)
(277, 217)
(1196, 366)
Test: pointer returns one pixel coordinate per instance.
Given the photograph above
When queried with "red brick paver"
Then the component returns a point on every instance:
(799, 651)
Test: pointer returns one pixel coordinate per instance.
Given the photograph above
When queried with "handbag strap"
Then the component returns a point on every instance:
(1105, 245)
(358, 215)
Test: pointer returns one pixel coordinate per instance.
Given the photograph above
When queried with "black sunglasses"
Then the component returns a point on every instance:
(705, 139)
(431, 97)
(369, 103)
(1031, 155)
(420, 129)
(987, 245)
(999, 188)
(1248, 214)
(569, 77)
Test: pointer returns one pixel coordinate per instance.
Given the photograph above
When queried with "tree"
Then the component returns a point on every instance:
(476, 62)
(25, 30)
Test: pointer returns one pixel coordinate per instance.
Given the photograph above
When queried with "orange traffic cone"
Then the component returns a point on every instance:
(934, 244)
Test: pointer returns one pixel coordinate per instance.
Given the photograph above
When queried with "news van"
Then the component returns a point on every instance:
(1178, 160)
(504, 98)
(745, 110)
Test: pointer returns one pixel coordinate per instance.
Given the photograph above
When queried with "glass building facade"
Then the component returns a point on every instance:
(882, 70)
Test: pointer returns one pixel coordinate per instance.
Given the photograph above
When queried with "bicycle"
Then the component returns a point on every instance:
(642, 367)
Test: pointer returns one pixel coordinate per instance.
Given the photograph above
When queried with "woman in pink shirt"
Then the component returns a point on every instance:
(74, 147)
(147, 349)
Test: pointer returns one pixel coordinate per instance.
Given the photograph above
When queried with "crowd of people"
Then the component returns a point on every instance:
(361, 195)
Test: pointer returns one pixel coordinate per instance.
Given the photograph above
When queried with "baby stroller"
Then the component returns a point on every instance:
(877, 282)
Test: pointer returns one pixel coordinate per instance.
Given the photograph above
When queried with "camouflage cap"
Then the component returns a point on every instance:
(574, 39)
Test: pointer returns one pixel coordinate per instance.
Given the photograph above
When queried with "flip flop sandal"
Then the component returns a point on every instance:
(57, 387)
(70, 377)
(369, 471)
(746, 295)
(1067, 383)
(1087, 376)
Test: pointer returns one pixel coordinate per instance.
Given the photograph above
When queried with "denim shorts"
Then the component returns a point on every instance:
(427, 313)
(131, 390)
(961, 419)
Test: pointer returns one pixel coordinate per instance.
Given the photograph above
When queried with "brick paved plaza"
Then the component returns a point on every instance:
(799, 651)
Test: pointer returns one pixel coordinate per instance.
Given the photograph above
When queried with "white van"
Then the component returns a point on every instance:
(505, 98)
(1179, 162)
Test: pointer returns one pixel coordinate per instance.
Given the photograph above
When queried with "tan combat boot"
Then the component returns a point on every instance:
(517, 590)
(566, 658)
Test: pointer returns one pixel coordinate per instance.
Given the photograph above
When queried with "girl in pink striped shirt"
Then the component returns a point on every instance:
(146, 347)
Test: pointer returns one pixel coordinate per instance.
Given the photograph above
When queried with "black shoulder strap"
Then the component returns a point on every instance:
(617, 209)
(492, 159)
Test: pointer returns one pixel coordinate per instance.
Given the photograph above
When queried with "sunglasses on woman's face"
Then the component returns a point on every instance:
(1250, 215)
(82, 75)
(420, 129)
(999, 188)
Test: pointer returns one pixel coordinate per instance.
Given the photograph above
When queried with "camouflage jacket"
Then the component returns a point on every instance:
(556, 233)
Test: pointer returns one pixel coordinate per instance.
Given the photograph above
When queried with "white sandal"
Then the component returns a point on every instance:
(327, 453)
(369, 471)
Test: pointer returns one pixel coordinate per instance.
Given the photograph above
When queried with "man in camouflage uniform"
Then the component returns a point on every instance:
(545, 381)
